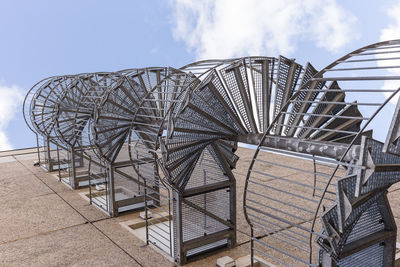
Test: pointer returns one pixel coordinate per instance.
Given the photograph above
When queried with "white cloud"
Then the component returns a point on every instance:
(229, 28)
(11, 98)
(391, 32)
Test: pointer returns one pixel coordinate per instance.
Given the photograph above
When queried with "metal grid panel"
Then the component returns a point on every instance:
(371, 221)
(197, 224)
(288, 74)
(262, 70)
(380, 169)
(235, 78)
(371, 256)
(207, 171)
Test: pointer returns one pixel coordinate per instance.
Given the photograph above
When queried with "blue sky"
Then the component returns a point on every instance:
(45, 38)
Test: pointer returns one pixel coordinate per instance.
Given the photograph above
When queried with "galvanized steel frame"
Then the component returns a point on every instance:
(172, 119)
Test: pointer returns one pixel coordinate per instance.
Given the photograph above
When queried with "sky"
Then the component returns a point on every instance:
(41, 38)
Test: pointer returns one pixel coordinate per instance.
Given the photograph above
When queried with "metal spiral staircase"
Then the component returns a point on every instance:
(40, 111)
(316, 188)
(332, 125)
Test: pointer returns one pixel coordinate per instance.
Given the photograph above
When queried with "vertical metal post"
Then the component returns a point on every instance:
(232, 208)
(251, 247)
(111, 190)
(72, 177)
(326, 260)
(38, 148)
(315, 176)
(169, 223)
(389, 252)
(205, 199)
(180, 257)
(138, 184)
(266, 94)
(156, 188)
(48, 155)
(69, 165)
(59, 164)
(146, 210)
(106, 177)
(89, 177)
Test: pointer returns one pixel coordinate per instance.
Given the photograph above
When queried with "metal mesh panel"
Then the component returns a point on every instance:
(262, 70)
(368, 257)
(370, 222)
(235, 77)
(377, 179)
(287, 77)
(113, 118)
(196, 223)
(207, 171)
(230, 109)
(285, 84)
(128, 191)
